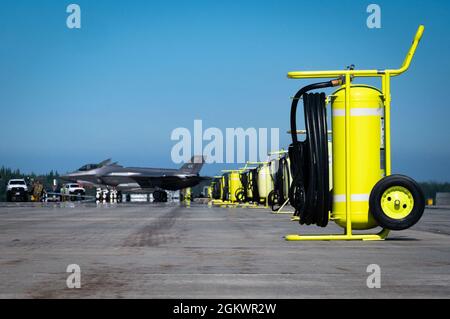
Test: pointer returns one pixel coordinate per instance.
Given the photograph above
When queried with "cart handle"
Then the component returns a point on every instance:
(364, 73)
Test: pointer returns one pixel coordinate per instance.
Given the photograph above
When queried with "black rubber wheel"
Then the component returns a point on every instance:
(241, 195)
(274, 200)
(271, 198)
(159, 196)
(8, 196)
(408, 200)
(156, 196)
(80, 196)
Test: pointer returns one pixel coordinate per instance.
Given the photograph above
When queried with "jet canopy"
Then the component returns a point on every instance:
(88, 167)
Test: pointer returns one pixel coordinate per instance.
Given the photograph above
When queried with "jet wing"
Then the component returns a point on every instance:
(157, 181)
(171, 182)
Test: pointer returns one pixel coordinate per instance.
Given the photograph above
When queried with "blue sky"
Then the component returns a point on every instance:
(138, 69)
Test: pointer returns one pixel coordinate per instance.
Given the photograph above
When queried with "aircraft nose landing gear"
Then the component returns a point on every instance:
(159, 196)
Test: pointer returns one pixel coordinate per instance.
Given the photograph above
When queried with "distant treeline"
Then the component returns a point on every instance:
(429, 188)
(6, 174)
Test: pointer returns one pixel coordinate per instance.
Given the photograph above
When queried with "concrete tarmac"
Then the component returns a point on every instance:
(171, 251)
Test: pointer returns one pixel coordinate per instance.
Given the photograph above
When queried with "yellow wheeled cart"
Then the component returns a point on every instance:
(234, 184)
(364, 193)
(244, 194)
(217, 193)
(264, 181)
(281, 179)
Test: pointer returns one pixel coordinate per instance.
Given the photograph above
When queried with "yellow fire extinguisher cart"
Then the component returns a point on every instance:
(361, 134)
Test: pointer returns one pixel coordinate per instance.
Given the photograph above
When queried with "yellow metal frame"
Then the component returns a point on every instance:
(385, 76)
(280, 152)
(304, 132)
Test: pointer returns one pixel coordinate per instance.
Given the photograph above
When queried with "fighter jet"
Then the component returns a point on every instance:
(138, 179)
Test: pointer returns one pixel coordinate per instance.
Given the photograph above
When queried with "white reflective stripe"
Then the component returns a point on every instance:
(354, 197)
(367, 112)
(360, 112)
(338, 112)
(360, 197)
(339, 198)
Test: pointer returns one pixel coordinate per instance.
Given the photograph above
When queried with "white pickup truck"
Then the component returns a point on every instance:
(16, 190)
(72, 191)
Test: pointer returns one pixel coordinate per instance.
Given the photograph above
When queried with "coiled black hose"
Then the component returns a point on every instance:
(225, 188)
(216, 188)
(254, 185)
(277, 196)
(309, 193)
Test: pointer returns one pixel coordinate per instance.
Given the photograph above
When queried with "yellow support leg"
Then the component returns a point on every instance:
(216, 202)
(248, 205)
(256, 206)
(365, 237)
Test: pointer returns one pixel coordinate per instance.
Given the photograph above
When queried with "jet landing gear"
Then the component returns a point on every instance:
(159, 196)
(108, 196)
